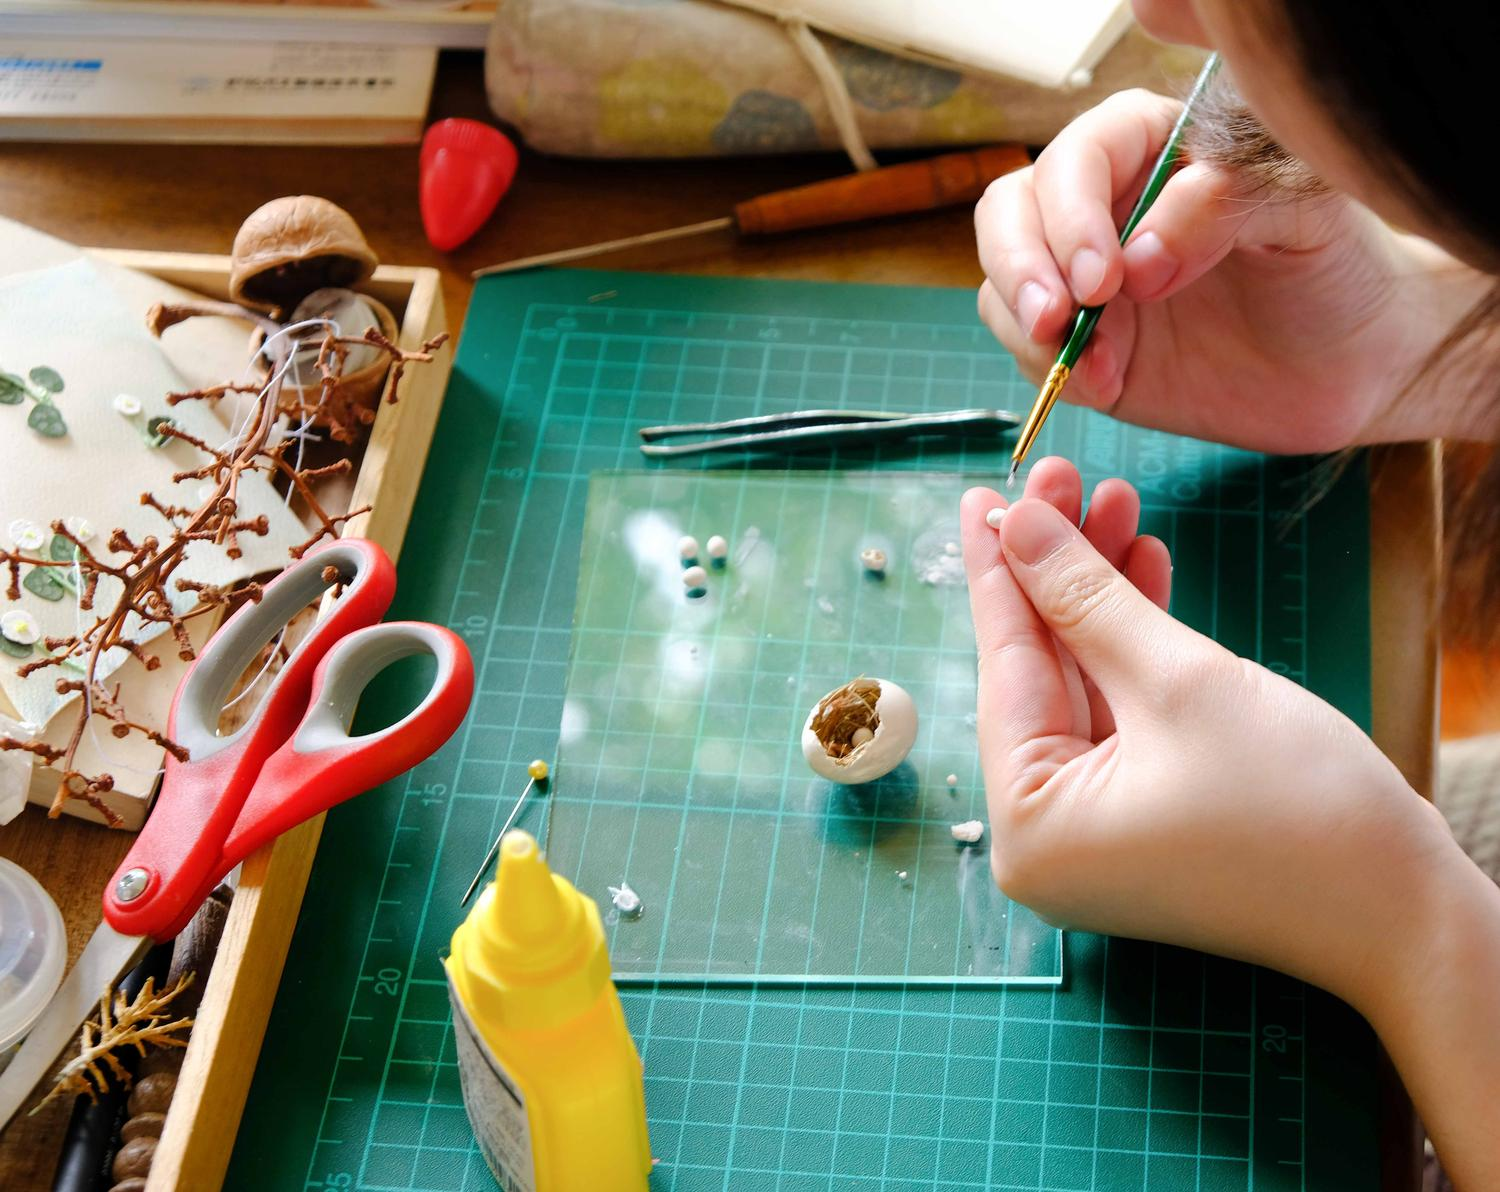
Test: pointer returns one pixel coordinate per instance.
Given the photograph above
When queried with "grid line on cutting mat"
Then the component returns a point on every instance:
(1147, 1056)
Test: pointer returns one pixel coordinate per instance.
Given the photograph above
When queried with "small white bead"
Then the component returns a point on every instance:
(952, 780)
(694, 578)
(994, 517)
(687, 547)
(718, 548)
(968, 832)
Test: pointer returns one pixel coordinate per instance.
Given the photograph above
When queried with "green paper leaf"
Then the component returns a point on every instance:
(46, 378)
(12, 389)
(153, 435)
(64, 552)
(14, 649)
(46, 421)
(40, 581)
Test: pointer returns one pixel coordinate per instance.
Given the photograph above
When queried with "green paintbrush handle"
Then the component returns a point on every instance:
(1083, 326)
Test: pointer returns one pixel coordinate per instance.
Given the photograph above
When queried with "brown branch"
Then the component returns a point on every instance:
(145, 570)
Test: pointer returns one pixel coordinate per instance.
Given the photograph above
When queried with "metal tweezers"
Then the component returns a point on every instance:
(807, 429)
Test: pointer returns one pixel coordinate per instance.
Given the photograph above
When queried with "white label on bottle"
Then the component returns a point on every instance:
(495, 1105)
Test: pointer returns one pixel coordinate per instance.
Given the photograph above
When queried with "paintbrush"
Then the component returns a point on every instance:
(1088, 317)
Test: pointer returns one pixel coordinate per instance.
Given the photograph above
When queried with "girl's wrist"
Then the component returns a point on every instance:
(1438, 1015)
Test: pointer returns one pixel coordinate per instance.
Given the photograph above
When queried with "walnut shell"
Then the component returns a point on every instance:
(351, 407)
(292, 246)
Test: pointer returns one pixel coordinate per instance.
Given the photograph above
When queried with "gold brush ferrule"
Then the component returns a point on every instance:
(1045, 399)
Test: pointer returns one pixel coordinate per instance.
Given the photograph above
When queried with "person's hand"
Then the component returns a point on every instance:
(1177, 793)
(1268, 322)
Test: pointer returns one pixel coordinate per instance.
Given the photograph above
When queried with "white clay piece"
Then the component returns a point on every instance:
(626, 901)
(687, 547)
(968, 832)
(994, 517)
(718, 550)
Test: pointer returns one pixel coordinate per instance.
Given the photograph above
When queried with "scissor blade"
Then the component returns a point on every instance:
(105, 957)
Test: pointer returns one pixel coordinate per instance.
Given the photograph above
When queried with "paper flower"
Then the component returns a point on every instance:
(27, 535)
(18, 627)
(80, 527)
(127, 405)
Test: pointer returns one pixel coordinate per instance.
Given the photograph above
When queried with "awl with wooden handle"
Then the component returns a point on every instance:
(913, 186)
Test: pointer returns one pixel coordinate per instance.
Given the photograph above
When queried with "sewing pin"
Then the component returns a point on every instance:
(538, 771)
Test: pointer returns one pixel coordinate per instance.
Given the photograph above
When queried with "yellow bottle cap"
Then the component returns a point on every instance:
(531, 954)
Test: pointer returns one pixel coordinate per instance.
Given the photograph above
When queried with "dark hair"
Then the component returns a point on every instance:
(1411, 88)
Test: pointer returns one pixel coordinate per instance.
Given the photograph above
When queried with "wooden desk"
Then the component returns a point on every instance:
(192, 199)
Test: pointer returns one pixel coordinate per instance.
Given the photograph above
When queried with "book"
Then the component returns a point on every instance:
(1053, 43)
(447, 24)
(104, 87)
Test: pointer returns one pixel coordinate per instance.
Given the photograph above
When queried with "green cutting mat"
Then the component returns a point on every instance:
(1150, 1068)
(681, 770)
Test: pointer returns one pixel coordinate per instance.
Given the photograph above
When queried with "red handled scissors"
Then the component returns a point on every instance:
(293, 759)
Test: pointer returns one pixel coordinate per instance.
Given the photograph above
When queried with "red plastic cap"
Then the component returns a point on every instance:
(466, 168)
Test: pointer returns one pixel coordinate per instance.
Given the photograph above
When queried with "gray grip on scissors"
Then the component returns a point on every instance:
(235, 646)
(352, 663)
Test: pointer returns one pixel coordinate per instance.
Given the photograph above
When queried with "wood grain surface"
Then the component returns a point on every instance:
(191, 199)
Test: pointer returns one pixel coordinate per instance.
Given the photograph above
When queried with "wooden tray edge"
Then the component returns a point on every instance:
(219, 1065)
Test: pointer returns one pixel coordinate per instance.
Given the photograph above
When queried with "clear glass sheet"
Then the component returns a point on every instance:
(680, 770)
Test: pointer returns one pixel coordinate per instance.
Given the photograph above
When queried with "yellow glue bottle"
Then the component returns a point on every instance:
(551, 1078)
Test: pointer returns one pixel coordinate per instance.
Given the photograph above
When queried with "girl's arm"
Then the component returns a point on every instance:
(1438, 1013)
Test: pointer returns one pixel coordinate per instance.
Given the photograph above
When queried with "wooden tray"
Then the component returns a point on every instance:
(220, 1061)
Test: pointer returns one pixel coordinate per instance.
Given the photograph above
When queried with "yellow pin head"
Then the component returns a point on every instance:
(538, 770)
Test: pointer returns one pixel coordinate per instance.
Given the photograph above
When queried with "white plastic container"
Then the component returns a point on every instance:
(33, 954)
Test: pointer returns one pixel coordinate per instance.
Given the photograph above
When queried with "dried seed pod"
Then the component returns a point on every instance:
(134, 1159)
(143, 1125)
(152, 1094)
(292, 246)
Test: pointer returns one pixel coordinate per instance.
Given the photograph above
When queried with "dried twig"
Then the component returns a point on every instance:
(146, 570)
(141, 1022)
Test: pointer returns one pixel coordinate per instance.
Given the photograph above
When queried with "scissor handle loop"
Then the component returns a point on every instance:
(322, 764)
(369, 582)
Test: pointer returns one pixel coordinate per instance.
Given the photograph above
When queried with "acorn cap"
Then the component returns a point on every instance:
(294, 245)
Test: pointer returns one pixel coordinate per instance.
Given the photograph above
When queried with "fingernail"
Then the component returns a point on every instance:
(994, 517)
(1086, 272)
(1149, 266)
(1031, 304)
(1033, 530)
